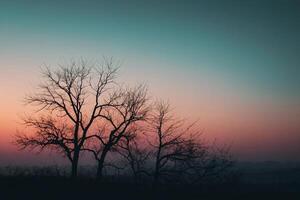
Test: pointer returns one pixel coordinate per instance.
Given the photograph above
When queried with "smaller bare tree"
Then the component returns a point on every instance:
(169, 142)
(178, 151)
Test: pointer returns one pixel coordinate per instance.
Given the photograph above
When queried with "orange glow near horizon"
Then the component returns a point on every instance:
(256, 128)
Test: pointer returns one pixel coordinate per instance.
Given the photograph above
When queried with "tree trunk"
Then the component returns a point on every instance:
(75, 165)
(101, 164)
(155, 180)
(157, 169)
(100, 170)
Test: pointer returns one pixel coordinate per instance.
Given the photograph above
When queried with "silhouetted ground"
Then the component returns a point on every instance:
(64, 188)
(253, 181)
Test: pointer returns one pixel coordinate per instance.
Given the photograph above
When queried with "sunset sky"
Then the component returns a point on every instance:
(234, 66)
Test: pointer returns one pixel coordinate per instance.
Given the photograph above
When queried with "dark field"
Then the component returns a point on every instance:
(251, 181)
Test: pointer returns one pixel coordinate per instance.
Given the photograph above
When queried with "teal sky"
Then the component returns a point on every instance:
(255, 42)
(242, 55)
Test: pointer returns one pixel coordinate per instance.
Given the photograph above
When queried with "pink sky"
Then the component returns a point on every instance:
(256, 128)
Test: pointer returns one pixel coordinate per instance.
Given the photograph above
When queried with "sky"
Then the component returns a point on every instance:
(232, 65)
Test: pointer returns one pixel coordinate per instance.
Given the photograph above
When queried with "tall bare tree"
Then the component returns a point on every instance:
(129, 106)
(70, 100)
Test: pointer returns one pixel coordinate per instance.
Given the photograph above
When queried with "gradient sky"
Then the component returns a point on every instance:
(233, 65)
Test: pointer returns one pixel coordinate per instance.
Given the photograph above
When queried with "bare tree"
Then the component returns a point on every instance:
(178, 151)
(168, 143)
(129, 107)
(70, 100)
(173, 151)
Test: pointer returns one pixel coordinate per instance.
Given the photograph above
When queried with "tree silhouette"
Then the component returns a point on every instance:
(82, 108)
(179, 152)
(129, 107)
(70, 100)
(169, 142)
(175, 150)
